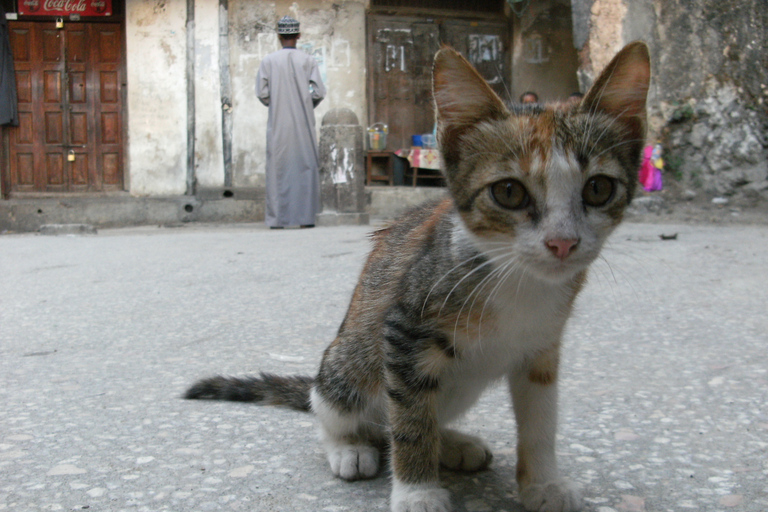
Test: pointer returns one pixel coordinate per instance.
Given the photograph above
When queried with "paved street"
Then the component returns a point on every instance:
(664, 402)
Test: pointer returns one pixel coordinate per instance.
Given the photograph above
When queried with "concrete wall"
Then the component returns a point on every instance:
(157, 96)
(333, 32)
(228, 45)
(209, 161)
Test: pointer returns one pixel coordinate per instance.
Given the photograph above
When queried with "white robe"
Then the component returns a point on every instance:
(289, 83)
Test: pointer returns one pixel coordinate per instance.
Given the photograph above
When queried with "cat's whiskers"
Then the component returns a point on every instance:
(456, 267)
(610, 125)
(504, 271)
(512, 265)
(475, 292)
(628, 141)
(606, 129)
(476, 269)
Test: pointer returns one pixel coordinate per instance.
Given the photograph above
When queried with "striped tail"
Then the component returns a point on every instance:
(266, 389)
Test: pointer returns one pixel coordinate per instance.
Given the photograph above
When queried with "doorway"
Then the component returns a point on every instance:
(400, 54)
(70, 83)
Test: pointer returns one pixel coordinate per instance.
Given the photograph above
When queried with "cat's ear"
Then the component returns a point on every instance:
(462, 97)
(622, 88)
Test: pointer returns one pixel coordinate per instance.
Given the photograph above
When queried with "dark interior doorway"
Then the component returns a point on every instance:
(400, 53)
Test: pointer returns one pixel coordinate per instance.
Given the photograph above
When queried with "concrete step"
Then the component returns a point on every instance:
(122, 210)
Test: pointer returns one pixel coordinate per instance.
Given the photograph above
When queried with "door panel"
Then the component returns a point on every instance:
(484, 45)
(400, 54)
(400, 81)
(70, 108)
(107, 84)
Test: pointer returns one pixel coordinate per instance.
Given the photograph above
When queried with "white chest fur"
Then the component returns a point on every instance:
(525, 317)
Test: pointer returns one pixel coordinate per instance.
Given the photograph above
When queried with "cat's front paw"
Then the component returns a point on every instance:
(420, 498)
(353, 461)
(555, 496)
(463, 452)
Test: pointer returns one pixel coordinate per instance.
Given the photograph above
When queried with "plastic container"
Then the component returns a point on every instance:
(428, 141)
(377, 136)
(415, 141)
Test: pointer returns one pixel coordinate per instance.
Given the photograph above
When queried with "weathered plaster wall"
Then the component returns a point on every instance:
(333, 32)
(157, 100)
(209, 162)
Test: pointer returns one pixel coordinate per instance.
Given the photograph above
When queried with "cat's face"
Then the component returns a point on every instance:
(542, 188)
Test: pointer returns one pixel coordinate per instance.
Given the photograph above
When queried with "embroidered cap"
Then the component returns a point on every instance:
(287, 26)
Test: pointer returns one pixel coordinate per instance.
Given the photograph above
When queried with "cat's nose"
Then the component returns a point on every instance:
(562, 248)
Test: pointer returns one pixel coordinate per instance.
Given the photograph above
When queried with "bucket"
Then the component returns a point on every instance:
(428, 141)
(416, 141)
(377, 136)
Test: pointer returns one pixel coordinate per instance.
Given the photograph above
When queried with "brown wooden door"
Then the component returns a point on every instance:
(69, 80)
(400, 54)
(400, 59)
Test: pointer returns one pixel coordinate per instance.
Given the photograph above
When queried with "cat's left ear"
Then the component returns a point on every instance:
(462, 97)
(621, 89)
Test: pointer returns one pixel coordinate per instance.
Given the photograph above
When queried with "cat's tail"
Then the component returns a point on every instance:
(266, 389)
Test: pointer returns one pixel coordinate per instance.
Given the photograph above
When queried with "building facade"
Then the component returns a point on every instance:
(145, 112)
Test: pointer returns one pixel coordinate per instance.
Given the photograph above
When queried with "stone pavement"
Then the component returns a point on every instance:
(664, 402)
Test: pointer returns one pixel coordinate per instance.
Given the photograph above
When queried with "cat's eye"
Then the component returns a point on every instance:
(510, 194)
(598, 191)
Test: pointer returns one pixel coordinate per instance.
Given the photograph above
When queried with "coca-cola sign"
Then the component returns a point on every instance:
(65, 7)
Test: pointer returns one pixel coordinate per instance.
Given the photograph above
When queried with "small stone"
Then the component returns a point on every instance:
(96, 492)
(66, 469)
(241, 472)
(20, 437)
(631, 503)
(731, 500)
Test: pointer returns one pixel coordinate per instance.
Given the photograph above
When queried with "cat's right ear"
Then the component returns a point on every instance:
(621, 90)
(462, 97)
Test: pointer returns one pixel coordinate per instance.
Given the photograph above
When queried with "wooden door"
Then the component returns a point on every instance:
(69, 80)
(400, 54)
(485, 45)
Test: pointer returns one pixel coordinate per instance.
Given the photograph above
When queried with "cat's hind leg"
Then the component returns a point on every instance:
(463, 452)
(349, 439)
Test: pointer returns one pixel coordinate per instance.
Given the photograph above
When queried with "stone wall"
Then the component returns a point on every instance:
(710, 83)
(711, 88)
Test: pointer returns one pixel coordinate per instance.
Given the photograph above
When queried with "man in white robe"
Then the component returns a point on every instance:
(289, 83)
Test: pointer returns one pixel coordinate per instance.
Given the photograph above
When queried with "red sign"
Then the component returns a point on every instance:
(65, 7)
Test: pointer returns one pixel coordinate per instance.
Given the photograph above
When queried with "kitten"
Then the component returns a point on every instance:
(477, 287)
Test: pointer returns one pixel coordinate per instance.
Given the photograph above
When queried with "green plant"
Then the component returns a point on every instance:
(681, 114)
(674, 165)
